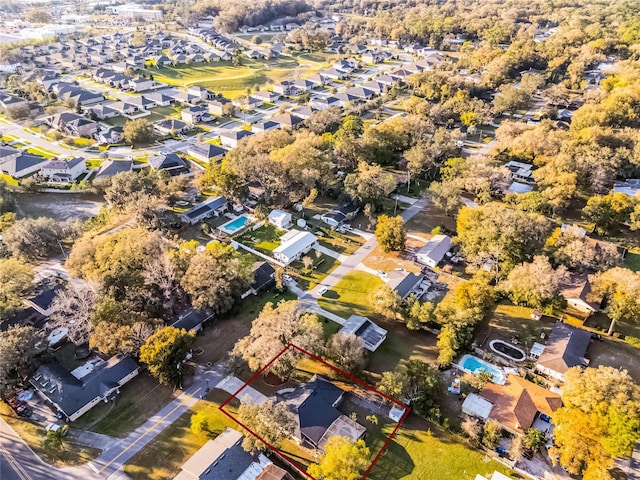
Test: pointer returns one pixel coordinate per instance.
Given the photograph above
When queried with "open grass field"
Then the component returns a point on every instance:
(139, 400)
(352, 295)
(162, 458)
(265, 239)
(423, 451)
(33, 434)
(307, 278)
(233, 81)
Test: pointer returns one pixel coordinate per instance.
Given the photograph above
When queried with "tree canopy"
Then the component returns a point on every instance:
(165, 353)
(343, 460)
(599, 420)
(273, 330)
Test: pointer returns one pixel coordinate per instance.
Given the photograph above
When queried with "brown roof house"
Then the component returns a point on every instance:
(520, 404)
(577, 291)
(565, 348)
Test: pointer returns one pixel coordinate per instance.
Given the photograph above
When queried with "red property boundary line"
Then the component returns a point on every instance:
(280, 454)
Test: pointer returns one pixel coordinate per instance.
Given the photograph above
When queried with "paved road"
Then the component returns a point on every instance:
(109, 464)
(19, 462)
(311, 297)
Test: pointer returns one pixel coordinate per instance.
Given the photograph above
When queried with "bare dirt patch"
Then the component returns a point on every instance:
(379, 260)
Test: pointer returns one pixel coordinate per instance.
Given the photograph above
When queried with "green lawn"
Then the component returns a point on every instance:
(308, 279)
(234, 80)
(164, 455)
(265, 239)
(345, 246)
(352, 295)
(423, 451)
(138, 401)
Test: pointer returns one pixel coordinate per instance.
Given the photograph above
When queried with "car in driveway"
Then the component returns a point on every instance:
(382, 274)
(322, 290)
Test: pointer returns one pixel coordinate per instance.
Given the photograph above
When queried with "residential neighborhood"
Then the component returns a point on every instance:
(286, 240)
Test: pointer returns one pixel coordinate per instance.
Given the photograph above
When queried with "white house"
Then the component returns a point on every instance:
(294, 245)
(212, 207)
(280, 219)
(64, 171)
(434, 251)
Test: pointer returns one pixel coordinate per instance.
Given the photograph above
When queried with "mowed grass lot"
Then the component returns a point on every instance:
(352, 295)
(138, 401)
(233, 81)
(34, 434)
(421, 450)
(265, 239)
(308, 278)
(164, 455)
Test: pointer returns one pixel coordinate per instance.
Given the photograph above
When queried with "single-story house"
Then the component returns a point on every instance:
(160, 99)
(170, 125)
(73, 124)
(434, 251)
(206, 152)
(109, 168)
(280, 219)
(266, 96)
(403, 282)
(260, 127)
(192, 320)
(64, 171)
(75, 393)
(232, 138)
(519, 404)
(224, 459)
(340, 215)
(264, 277)
(170, 162)
(43, 297)
(577, 291)
(565, 348)
(140, 84)
(314, 406)
(21, 165)
(371, 334)
(286, 120)
(212, 207)
(293, 245)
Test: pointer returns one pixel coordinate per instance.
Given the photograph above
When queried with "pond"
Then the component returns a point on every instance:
(59, 206)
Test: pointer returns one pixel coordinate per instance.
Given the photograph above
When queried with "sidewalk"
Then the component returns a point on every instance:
(109, 464)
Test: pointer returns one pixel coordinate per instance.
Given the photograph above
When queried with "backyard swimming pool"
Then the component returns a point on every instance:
(475, 365)
(232, 226)
(507, 350)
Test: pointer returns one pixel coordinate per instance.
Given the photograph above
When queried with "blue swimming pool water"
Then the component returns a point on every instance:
(235, 224)
(472, 364)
